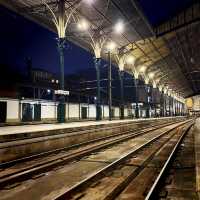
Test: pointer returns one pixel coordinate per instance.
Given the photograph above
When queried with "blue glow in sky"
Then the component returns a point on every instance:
(21, 38)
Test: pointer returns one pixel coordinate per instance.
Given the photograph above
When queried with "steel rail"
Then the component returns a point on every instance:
(80, 130)
(30, 171)
(113, 164)
(12, 162)
(166, 166)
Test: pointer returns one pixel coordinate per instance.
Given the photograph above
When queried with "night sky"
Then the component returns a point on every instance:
(21, 38)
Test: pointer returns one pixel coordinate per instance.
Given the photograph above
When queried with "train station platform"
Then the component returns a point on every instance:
(21, 129)
(26, 140)
(197, 154)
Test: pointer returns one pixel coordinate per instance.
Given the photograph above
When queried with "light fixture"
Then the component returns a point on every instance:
(48, 91)
(160, 88)
(146, 81)
(165, 90)
(119, 27)
(89, 2)
(142, 69)
(83, 25)
(151, 75)
(130, 59)
(111, 46)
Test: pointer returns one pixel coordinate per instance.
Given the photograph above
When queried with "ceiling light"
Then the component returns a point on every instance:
(89, 2)
(111, 46)
(119, 27)
(83, 25)
(142, 69)
(130, 60)
(151, 75)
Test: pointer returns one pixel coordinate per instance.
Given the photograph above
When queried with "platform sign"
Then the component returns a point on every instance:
(62, 92)
(139, 104)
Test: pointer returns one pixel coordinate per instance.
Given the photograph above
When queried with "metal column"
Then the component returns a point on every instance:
(175, 105)
(179, 110)
(110, 86)
(61, 47)
(162, 104)
(121, 77)
(97, 63)
(136, 98)
(61, 106)
(148, 103)
(172, 103)
(154, 101)
(170, 112)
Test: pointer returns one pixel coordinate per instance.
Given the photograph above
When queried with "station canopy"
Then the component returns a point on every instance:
(162, 37)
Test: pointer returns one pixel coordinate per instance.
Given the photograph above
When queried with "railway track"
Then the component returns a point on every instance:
(22, 169)
(130, 176)
(84, 167)
(79, 130)
(177, 180)
(16, 142)
(58, 141)
(46, 142)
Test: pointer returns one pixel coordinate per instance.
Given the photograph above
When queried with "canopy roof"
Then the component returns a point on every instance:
(166, 47)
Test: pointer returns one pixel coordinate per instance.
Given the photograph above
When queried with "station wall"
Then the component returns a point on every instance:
(11, 110)
(14, 110)
(26, 110)
(48, 111)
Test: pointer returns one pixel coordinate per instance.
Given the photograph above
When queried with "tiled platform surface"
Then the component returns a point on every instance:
(9, 130)
(197, 154)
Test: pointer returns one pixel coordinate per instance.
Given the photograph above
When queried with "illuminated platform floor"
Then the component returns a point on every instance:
(197, 154)
(8, 130)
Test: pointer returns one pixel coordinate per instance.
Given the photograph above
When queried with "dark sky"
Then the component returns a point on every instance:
(21, 38)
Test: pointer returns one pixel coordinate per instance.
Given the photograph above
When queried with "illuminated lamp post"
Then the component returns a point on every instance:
(147, 88)
(136, 79)
(146, 80)
(97, 42)
(148, 100)
(61, 20)
(110, 47)
(161, 101)
(165, 101)
(172, 103)
(131, 61)
(169, 97)
(121, 60)
(121, 78)
(154, 88)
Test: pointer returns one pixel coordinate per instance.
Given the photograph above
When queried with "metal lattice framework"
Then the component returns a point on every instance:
(173, 58)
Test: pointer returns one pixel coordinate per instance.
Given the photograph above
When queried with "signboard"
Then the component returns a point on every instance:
(62, 92)
(139, 104)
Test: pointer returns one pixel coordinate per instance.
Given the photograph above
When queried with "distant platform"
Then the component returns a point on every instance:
(9, 130)
(197, 154)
